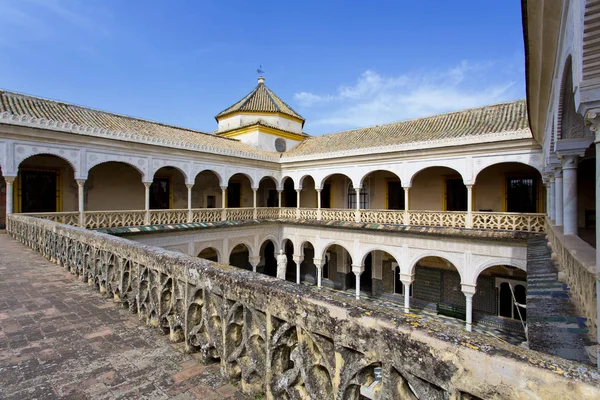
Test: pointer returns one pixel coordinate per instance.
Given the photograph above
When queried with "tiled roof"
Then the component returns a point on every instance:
(498, 118)
(51, 110)
(261, 99)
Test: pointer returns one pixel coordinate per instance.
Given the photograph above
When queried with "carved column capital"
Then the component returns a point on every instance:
(592, 118)
(189, 186)
(147, 184)
(569, 161)
(10, 179)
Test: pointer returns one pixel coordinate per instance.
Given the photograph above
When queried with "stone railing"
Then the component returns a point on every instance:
(458, 219)
(267, 213)
(289, 341)
(113, 219)
(239, 214)
(207, 214)
(68, 217)
(578, 261)
(161, 217)
(509, 221)
(455, 219)
(338, 214)
(382, 216)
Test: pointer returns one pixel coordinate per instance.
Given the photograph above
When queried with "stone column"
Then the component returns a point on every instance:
(558, 196)
(569, 164)
(223, 203)
(254, 261)
(469, 291)
(298, 191)
(469, 223)
(254, 212)
(357, 212)
(80, 202)
(10, 180)
(189, 188)
(298, 260)
(319, 204)
(407, 280)
(147, 202)
(358, 269)
(406, 205)
(279, 197)
(550, 204)
(319, 264)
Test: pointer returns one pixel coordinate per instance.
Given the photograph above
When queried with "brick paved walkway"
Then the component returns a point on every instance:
(61, 339)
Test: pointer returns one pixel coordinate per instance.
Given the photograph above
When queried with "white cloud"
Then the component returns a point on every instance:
(376, 99)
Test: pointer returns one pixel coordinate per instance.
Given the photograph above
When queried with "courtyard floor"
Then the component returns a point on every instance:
(61, 339)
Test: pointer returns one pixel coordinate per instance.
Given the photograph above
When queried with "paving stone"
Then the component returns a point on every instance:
(61, 339)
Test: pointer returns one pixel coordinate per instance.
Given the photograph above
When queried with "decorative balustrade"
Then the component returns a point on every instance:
(578, 260)
(239, 214)
(456, 219)
(308, 213)
(162, 217)
(287, 213)
(267, 213)
(509, 221)
(382, 216)
(113, 219)
(68, 217)
(207, 214)
(293, 342)
(337, 214)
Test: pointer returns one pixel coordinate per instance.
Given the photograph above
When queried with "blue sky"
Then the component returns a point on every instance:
(340, 64)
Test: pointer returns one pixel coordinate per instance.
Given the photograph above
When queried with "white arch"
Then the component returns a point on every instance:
(267, 177)
(301, 180)
(100, 162)
(413, 170)
(185, 175)
(242, 173)
(322, 181)
(481, 167)
(390, 250)
(273, 240)
(345, 246)
(458, 264)
(282, 245)
(367, 173)
(214, 171)
(245, 243)
(219, 258)
(48, 151)
(283, 178)
(521, 264)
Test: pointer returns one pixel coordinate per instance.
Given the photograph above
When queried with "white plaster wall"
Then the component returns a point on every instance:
(235, 121)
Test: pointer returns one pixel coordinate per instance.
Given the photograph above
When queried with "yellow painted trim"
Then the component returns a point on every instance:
(18, 196)
(258, 113)
(262, 129)
(444, 193)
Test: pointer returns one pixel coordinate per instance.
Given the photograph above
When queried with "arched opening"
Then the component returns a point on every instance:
(308, 270)
(288, 250)
(384, 190)
(114, 186)
(586, 196)
(381, 274)
(2, 201)
(168, 190)
(334, 193)
(437, 286)
(210, 253)
(45, 183)
(206, 192)
(268, 262)
(267, 193)
(308, 195)
(438, 188)
(494, 295)
(337, 271)
(240, 257)
(509, 187)
(288, 197)
(239, 191)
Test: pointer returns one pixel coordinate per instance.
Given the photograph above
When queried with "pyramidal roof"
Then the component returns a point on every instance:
(261, 99)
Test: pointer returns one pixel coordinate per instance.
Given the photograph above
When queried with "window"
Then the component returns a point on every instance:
(395, 195)
(363, 197)
(39, 190)
(456, 195)
(521, 194)
(280, 145)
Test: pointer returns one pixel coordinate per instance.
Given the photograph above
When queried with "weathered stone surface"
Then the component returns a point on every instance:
(60, 339)
(291, 342)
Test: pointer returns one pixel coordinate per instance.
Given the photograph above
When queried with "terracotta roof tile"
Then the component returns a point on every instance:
(498, 118)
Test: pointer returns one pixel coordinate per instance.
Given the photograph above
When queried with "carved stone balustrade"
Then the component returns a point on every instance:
(293, 342)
